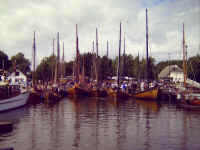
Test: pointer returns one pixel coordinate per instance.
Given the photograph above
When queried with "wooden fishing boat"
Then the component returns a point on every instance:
(118, 93)
(78, 90)
(150, 93)
(188, 98)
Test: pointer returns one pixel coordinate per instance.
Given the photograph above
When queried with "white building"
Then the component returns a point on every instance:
(173, 72)
(176, 74)
(17, 78)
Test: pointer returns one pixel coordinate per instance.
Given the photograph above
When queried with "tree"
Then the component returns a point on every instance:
(152, 69)
(105, 67)
(128, 66)
(46, 69)
(69, 68)
(4, 61)
(193, 68)
(21, 63)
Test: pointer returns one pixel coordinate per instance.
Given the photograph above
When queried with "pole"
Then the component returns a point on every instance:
(147, 49)
(118, 68)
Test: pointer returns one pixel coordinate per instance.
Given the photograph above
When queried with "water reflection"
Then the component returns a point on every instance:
(96, 124)
(13, 115)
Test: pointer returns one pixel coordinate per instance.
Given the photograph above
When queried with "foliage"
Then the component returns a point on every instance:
(130, 66)
(193, 68)
(69, 68)
(105, 67)
(4, 61)
(21, 63)
(46, 68)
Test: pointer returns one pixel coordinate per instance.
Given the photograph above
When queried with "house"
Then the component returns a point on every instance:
(172, 72)
(17, 78)
(176, 74)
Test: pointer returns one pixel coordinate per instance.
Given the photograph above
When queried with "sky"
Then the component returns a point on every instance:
(19, 19)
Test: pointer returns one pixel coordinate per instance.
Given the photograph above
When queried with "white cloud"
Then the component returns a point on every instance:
(47, 17)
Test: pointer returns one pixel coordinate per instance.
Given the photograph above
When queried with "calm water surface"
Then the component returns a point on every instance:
(102, 124)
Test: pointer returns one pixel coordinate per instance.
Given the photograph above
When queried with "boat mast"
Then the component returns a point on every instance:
(118, 67)
(77, 67)
(138, 68)
(34, 55)
(97, 58)
(94, 69)
(57, 61)
(58, 56)
(53, 62)
(107, 49)
(184, 58)
(147, 51)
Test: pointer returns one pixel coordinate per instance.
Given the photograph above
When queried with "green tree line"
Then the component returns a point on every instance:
(130, 66)
(17, 61)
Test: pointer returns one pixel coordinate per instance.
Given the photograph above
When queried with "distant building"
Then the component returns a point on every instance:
(172, 72)
(176, 74)
(17, 78)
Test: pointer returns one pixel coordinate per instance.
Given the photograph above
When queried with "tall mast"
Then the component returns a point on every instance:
(97, 42)
(53, 46)
(94, 69)
(77, 67)
(147, 47)
(34, 55)
(97, 58)
(184, 57)
(138, 68)
(57, 61)
(107, 49)
(118, 67)
(58, 55)
(53, 62)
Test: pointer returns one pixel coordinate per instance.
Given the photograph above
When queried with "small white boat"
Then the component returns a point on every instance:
(14, 102)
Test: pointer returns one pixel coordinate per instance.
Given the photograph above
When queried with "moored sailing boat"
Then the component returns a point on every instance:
(148, 93)
(35, 93)
(80, 87)
(97, 90)
(190, 100)
(119, 93)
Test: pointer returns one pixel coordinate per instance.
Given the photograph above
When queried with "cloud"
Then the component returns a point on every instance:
(47, 17)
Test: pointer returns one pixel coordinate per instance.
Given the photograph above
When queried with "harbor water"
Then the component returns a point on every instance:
(102, 124)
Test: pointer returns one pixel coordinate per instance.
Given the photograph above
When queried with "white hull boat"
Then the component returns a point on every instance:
(14, 102)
